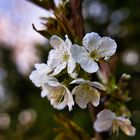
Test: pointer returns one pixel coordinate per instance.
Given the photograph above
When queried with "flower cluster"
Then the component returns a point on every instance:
(63, 55)
(107, 120)
(66, 57)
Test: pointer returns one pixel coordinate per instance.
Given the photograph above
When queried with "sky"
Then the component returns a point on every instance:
(16, 30)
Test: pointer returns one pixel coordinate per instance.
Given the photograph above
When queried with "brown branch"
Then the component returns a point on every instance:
(77, 18)
(78, 26)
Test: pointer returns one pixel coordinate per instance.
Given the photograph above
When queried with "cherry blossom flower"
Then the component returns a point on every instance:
(60, 57)
(107, 120)
(86, 92)
(40, 75)
(58, 94)
(94, 48)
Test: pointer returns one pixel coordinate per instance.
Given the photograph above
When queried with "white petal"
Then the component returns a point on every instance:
(73, 75)
(78, 81)
(34, 79)
(57, 43)
(128, 130)
(95, 97)
(104, 120)
(89, 65)
(106, 114)
(67, 101)
(58, 106)
(126, 127)
(70, 101)
(43, 67)
(55, 95)
(90, 40)
(71, 65)
(46, 91)
(98, 85)
(81, 56)
(39, 76)
(81, 96)
(106, 47)
(102, 126)
(53, 59)
(67, 41)
(59, 68)
(53, 83)
(78, 53)
(123, 119)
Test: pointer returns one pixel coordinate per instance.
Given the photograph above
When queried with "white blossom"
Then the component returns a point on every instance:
(60, 57)
(94, 48)
(40, 75)
(107, 120)
(86, 92)
(58, 94)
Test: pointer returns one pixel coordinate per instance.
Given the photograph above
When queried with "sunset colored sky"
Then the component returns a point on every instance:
(16, 18)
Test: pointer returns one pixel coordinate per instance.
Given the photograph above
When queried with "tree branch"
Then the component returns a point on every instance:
(78, 26)
(77, 18)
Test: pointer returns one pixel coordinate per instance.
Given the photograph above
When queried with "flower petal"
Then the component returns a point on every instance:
(106, 114)
(89, 65)
(58, 106)
(53, 83)
(81, 96)
(45, 91)
(66, 98)
(57, 43)
(71, 65)
(102, 126)
(126, 127)
(104, 120)
(73, 75)
(59, 68)
(39, 76)
(67, 41)
(98, 85)
(81, 56)
(128, 130)
(95, 97)
(78, 81)
(90, 40)
(43, 67)
(106, 47)
(53, 59)
(78, 53)
(57, 96)
(70, 101)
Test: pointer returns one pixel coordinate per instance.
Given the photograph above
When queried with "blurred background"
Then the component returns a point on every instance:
(23, 113)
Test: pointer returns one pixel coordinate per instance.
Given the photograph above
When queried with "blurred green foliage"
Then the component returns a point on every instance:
(118, 19)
